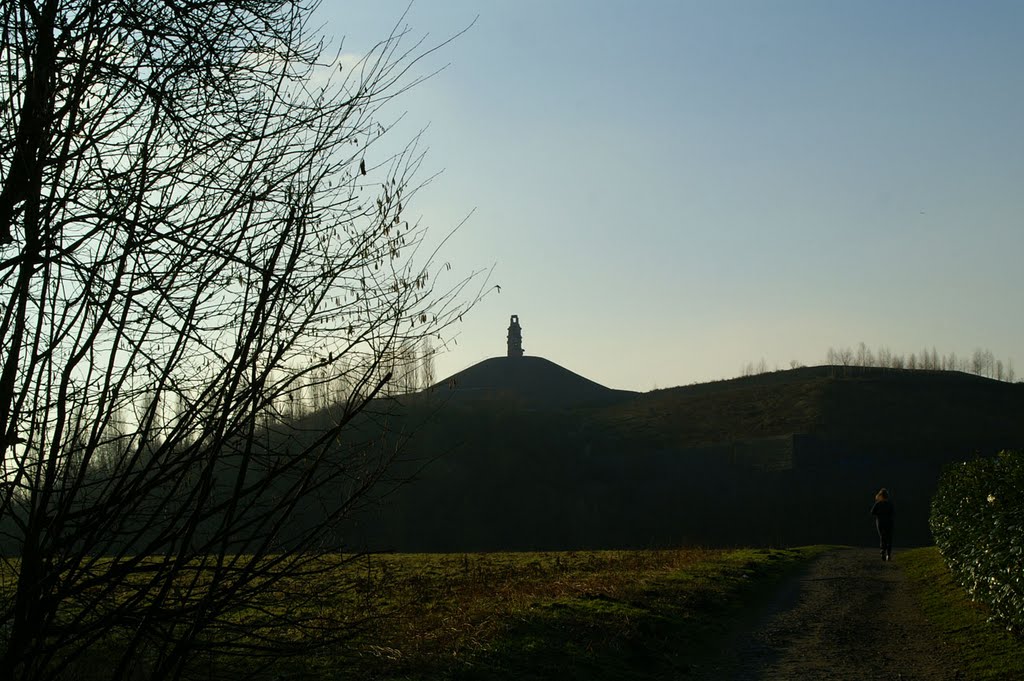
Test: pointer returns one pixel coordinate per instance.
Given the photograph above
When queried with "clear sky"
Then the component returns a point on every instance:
(671, 190)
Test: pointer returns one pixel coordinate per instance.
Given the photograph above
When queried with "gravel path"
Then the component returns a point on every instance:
(850, 616)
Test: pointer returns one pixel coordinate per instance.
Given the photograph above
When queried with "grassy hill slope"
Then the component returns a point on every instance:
(532, 456)
(527, 382)
(865, 406)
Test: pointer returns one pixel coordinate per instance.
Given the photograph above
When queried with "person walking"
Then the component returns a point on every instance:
(884, 511)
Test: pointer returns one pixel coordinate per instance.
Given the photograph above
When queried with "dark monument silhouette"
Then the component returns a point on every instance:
(515, 337)
(526, 381)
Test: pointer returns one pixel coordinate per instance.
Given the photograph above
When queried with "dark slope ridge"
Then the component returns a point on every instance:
(851, 404)
(787, 458)
(530, 382)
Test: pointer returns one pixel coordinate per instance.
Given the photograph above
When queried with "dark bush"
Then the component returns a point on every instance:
(977, 519)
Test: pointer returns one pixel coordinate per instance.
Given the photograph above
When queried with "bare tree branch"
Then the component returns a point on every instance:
(194, 233)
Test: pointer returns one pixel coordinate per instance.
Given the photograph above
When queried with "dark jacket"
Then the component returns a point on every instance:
(883, 511)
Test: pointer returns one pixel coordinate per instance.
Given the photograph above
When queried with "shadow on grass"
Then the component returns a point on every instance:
(660, 631)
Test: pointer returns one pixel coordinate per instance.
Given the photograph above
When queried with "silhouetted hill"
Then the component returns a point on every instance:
(523, 454)
(530, 382)
(859, 405)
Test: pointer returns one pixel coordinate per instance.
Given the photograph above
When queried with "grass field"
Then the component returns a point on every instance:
(589, 615)
(987, 651)
(583, 615)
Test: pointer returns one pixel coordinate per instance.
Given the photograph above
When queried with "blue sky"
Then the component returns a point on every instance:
(671, 190)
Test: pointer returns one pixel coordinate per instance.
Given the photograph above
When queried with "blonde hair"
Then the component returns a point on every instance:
(882, 495)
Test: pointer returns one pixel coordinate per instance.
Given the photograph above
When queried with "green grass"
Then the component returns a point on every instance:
(590, 615)
(582, 615)
(985, 650)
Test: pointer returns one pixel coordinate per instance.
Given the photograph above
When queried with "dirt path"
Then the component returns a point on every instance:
(850, 616)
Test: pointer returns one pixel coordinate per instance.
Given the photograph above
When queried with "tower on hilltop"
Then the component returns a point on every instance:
(515, 337)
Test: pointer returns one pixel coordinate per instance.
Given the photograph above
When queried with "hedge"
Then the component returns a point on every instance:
(977, 520)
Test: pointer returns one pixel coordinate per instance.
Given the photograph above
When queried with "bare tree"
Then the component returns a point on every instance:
(982, 363)
(406, 369)
(193, 224)
(864, 356)
(427, 377)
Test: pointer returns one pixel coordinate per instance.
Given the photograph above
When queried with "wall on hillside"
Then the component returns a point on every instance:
(778, 491)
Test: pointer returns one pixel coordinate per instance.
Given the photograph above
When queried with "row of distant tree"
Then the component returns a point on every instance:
(981, 362)
(410, 364)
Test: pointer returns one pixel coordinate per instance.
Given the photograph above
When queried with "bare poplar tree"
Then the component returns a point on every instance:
(406, 369)
(864, 357)
(427, 377)
(193, 223)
